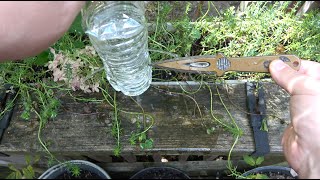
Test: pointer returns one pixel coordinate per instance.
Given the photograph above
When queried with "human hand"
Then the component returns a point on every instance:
(301, 139)
(29, 27)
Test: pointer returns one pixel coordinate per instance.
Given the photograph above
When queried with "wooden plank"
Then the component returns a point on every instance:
(307, 7)
(84, 128)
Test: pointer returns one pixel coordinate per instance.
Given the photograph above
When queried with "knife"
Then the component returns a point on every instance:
(219, 64)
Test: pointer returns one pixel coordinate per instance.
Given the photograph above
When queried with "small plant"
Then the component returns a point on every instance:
(74, 169)
(26, 172)
(141, 138)
(258, 176)
(252, 161)
(77, 70)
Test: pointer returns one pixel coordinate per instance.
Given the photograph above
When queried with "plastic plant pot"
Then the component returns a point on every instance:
(57, 171)
(273, 172)
(160, 173)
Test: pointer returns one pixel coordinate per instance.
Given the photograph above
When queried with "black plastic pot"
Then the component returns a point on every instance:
(7, 94)
(55, 172)
(160, 173)
(274, 172)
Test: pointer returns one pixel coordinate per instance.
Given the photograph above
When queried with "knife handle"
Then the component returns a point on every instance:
(254, 64)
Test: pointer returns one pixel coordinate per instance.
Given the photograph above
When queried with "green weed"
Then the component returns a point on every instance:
(26, 172)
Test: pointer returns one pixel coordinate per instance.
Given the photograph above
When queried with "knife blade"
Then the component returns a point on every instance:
(219, 64)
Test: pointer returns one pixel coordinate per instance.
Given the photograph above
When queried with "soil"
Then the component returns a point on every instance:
(84, 175)
(274, 175)
(279, 176)
(160, 173)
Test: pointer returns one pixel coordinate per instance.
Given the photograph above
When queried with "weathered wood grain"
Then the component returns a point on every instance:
(84, 128)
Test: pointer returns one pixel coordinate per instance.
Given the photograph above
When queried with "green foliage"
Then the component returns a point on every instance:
(26, 172)
(116, 127)
(250, 160)
(74, 169)
(264, 125)
(147, 144)
(39, 60)
(264, 28)
(259, 160)
(8, 107)
(117, 151)
(211, 130)
(76, 26)
(304, 37)
(141, 138)
(178, 41)
(258, 176)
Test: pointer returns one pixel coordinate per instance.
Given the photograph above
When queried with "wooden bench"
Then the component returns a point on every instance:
(82, 130)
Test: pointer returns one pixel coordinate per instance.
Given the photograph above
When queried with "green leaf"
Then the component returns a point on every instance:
(252, 176)
(142, 145)
(28, 172)
(264, 125)
(42, 58)
(195, 34)
(78, 44)
(261, 176)
(75, 170)
(132, 140)
(211, 130)
(148, 144)
(36, 158)
(13, 175)
(30, 169)
(28, 159)
(142, 137)
(259, 160)
(76, 26)
(39, 60)
(117, 151)
(249, 160)
(11, 167)
(53, 114)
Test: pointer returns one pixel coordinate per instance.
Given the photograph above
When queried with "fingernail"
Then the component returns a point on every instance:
(278, 65)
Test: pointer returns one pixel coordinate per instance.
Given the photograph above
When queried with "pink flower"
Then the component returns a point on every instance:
(58, 58)
(75, 83)
(76, 65)
(58, 75)
(52, 51)
(52, 65)
(94, 87)
(84, 86)
(90, 50)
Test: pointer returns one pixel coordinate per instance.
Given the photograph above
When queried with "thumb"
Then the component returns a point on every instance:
(294, 82)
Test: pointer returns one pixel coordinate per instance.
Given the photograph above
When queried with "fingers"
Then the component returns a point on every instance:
(295, 82)
(291, 148)
(310, 68)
